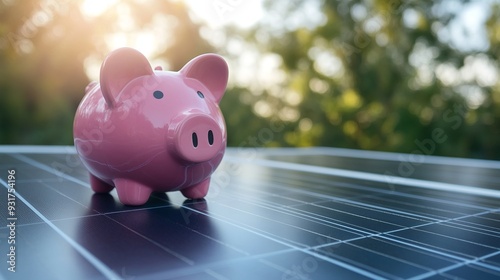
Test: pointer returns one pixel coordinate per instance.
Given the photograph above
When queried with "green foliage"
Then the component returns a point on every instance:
(375, 75)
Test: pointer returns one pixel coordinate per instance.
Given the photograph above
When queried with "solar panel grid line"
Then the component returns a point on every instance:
(101, 267)
(64, 195)
(371, 207)
(371, 233)
(448, 220)
(455, 238)
(223, 243)
(271, 195)
(361, 216)
(387, 235)
(174, 253)
(354, 227)
(293, 211)
(410, 247)
(348, 266)
(361, 232)
(338, 186)
(479, 262)
(478, 228)
(215, 275)
(289, 207)
(257, 231)
(399, 191)
(434, 273)
(216, 240)
(393, 213)
(459, 175)
(52, 170)
(285, 186)
(436, 249)
(283, 240)
(422, 210)
(394, 180)
(380, 155)
(49, 169)
(441, 222)
(178, 255)
(305, 213)
(173, 274)
(455, 219)
(433, 251)
(381, 208)
(433, 216)
(281, 210)
(69, 178)
(245, 228)
(153, 242)
(381, 274)
(387, 191)
(458, 265)
(270, 185)
(203, 267)
(401, 260)
(318, 218)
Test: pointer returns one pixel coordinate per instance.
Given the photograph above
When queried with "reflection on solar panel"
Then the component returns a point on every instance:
(318, 213)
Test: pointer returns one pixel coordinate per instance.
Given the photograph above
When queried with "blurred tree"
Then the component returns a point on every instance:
(379, 75)
(369, 74)
(44, 46)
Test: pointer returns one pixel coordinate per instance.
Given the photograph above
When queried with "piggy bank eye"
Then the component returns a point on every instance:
(158, 94)
(200, 94)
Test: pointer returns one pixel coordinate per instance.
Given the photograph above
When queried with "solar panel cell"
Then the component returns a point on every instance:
(283, 214)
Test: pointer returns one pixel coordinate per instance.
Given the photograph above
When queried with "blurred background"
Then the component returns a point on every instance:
(388, 75)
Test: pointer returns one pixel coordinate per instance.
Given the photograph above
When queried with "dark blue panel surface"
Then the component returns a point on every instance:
(319, 213)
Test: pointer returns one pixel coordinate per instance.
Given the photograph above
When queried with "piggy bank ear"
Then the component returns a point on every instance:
(119, 68)
(211, 70)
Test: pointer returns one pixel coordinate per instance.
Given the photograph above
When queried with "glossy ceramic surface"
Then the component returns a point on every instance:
(143, 130)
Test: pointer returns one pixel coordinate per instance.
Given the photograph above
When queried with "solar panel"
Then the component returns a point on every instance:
(317, 213)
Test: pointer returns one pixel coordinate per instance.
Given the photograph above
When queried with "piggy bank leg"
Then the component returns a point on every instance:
(99, 186)
(197, 191)
(131, 193)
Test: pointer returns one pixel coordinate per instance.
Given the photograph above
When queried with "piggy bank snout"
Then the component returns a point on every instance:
(198, 138)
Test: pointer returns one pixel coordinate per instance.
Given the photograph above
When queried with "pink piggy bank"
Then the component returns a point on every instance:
(143, 130)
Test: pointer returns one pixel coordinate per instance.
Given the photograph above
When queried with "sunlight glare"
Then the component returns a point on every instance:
(93, 8)
(218, 13)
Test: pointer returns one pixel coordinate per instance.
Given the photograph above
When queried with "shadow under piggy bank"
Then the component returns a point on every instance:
(155, 239)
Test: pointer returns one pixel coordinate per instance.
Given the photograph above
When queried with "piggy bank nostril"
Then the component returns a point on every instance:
(210, 137)
(194, 138)
(197, 138)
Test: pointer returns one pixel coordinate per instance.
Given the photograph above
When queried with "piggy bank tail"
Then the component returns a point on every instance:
(90, 86)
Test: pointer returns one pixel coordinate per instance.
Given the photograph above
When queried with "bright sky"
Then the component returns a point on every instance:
(470, 22)
(213, 14)
(217, 13)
